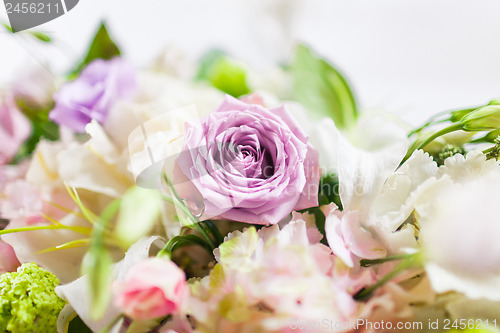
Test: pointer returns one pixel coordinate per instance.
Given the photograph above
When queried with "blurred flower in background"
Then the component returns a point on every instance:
(93, 93)
(14, 128)
(271, 22)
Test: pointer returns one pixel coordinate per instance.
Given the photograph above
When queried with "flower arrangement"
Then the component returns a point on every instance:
(221, 199)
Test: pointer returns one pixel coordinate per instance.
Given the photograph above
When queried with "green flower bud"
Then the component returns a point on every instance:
(483, 119)
(448, 150)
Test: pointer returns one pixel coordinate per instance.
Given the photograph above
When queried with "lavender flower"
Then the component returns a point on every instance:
(249, 164)
(90, 97)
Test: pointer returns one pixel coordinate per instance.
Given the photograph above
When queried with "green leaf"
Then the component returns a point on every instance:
(97, 261)
(78, 326)
(482, 119)
(459, 114)
(223, 73)
(178, 242)
(219, 239)
(139, 212)
(41, 36)
(8, 27)
(322, 89)
(42, 127)
(38, 35)
(207, 62)
(97, 265)
(329, 190)
(102, 47)
(489, 137)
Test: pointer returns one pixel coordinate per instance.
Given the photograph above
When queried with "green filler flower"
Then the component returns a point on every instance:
(28, 302)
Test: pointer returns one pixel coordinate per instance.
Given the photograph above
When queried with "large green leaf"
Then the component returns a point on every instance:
(322, 89)
(102, 47)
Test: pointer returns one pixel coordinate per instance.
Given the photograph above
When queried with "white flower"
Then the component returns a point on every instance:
(274, 80)
(158, 94)
(271, 22)
(460, 238)
(364, 158)
(473, 165)
(403, 187)
(173, 61)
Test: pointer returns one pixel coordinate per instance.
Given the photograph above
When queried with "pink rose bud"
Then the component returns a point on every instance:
(152, 288)
(8, 259)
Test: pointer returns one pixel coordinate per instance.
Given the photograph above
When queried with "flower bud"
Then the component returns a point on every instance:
(152, 288)
(483, 119)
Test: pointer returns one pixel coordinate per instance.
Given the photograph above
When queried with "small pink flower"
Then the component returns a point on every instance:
(14, 129)
(152, 288)
(348, 239)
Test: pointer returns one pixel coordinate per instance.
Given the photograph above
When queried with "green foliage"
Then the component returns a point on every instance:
(322, 89)
(37, 34)
(223, 73)
(459, 114)
(101, 47)
(42, 127)
(494, 152)
(482, 119)
(329, 190)
(78, 326)
(28, 302)
(139, 212)
(41, 36)
(8, 28)
(489, 137)
(180, 241)
(97, 262)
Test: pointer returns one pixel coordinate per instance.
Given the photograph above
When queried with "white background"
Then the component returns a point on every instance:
(411, 57)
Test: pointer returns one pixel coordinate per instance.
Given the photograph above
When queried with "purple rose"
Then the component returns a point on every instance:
(248, 164)
(93, 93)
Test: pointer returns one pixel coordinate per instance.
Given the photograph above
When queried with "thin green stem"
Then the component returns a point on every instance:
(489, 150)
(215, 231)
(446, 130)
(80, 230)
(111, 324)
(449, 129)
(205, 235)
(373, 262)
(181, 241)
(367, 292)
(178, 202)
(431, 121)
